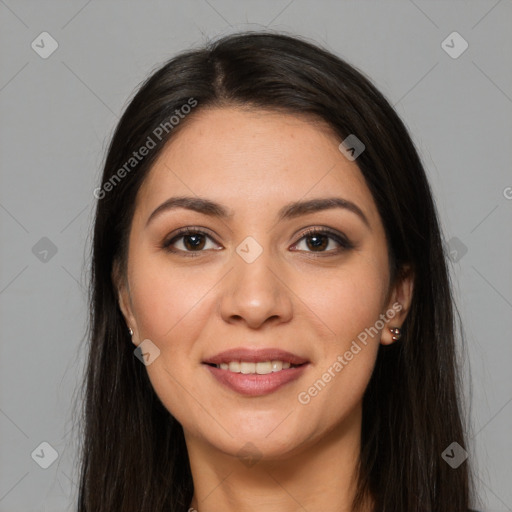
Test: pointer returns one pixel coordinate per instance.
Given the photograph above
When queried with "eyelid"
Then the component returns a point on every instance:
(335, 235)
(187, 230)
(340, 238)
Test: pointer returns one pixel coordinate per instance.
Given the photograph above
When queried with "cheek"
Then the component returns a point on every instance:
(349, 303)
(172, 308)
(346, 301)
(165, 299)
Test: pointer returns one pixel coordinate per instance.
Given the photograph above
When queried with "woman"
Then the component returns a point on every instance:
(271, 316)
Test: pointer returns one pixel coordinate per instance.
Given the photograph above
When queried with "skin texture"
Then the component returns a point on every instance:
(293, 296)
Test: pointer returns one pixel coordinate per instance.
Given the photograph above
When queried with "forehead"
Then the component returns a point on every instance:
(253, 159)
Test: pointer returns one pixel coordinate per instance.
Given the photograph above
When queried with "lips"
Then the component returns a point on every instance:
(255, 356)
(289, 367)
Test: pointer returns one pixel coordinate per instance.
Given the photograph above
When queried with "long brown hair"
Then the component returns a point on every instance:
(133, 455)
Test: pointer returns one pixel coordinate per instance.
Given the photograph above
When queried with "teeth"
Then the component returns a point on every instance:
(260, 368)
(247, 367)
(264, 367)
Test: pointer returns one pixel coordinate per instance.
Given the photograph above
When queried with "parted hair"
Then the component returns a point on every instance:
(133, 455)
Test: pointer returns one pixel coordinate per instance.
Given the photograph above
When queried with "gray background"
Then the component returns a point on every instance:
(56, 116)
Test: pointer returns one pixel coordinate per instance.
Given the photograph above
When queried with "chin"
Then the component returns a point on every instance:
(257, 444)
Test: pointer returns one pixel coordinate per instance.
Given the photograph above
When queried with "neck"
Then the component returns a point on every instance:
(319, 476)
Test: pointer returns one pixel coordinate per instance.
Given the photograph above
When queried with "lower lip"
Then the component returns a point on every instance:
(254, 384)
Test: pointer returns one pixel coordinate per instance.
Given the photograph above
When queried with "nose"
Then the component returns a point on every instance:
(256, 293)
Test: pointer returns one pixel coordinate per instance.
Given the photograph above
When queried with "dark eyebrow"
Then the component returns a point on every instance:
(289, 211)
(298, 208)
(197, 204)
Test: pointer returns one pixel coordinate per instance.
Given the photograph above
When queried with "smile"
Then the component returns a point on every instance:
(247, 381)
(259, 368)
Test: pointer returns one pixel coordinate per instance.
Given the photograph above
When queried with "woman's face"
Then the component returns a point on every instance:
(249, 276)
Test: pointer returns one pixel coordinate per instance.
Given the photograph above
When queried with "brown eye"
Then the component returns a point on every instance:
(317, 242)
(194, 242)
(323, 241)
(189, 240)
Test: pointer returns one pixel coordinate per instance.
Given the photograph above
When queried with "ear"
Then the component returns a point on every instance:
(120, 282)
(399, 303)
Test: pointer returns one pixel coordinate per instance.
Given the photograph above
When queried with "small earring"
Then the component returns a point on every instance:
(396, 333)
(130, 331)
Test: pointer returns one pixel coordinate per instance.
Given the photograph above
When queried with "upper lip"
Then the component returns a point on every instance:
(255, 356)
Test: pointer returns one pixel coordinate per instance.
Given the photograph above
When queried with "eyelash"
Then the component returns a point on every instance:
(344, 242)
